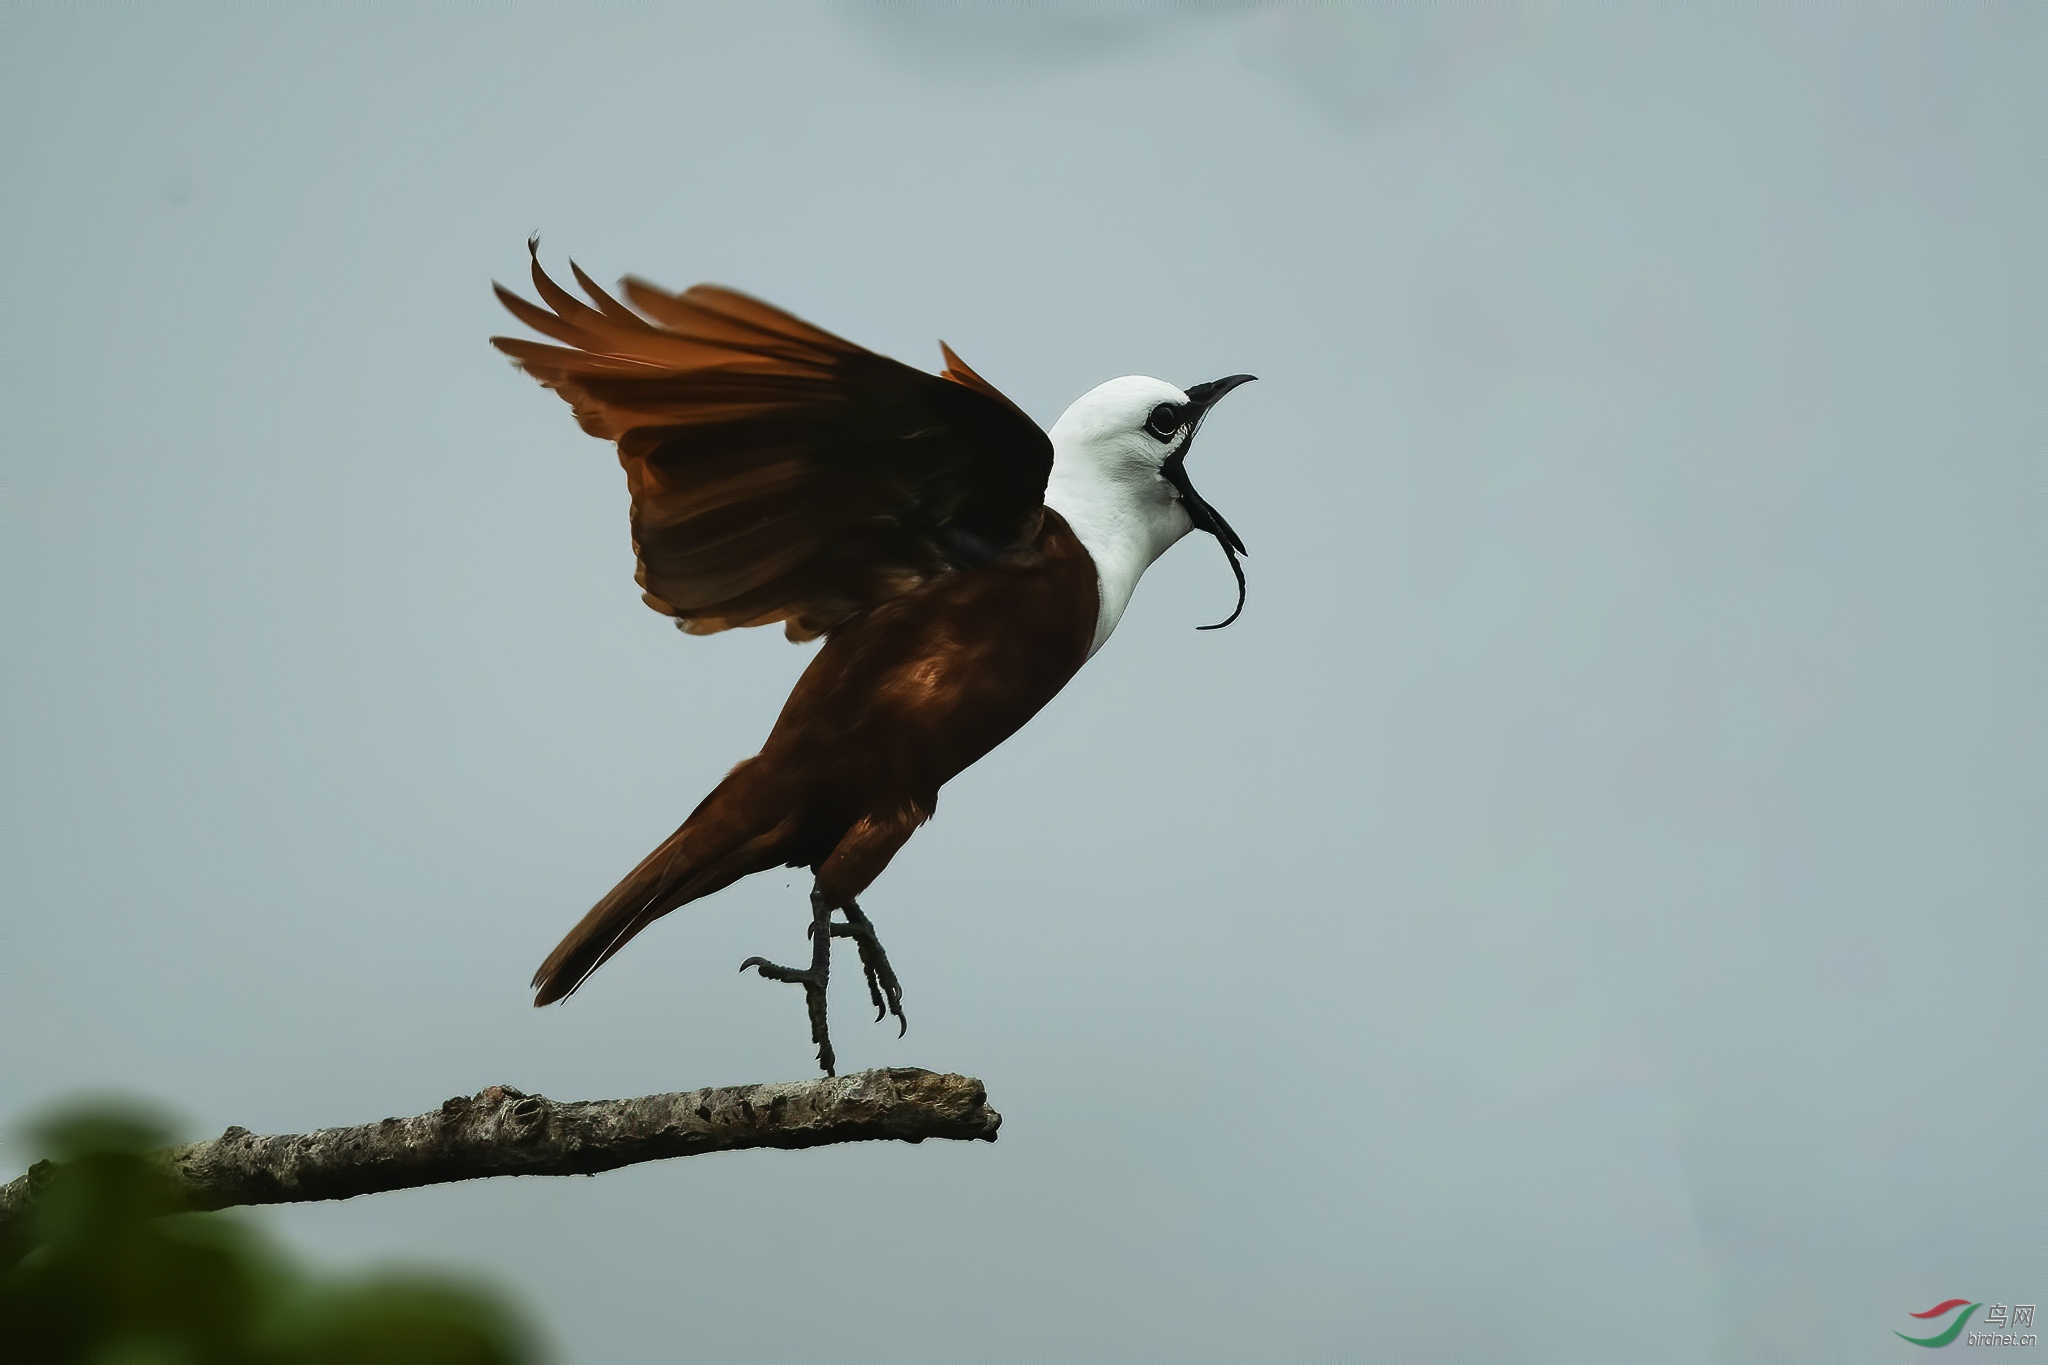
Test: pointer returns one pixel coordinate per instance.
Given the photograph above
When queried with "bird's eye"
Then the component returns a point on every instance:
(1164, 421)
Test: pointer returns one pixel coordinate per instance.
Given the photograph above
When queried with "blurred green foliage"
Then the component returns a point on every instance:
(99, 1272)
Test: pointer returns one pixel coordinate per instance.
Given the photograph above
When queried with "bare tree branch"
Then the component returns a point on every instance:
(503, 1131)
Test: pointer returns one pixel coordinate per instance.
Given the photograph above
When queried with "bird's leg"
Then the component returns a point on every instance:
(883, 988)
(813, 981)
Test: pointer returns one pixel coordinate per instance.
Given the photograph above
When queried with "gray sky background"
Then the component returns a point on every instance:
(1589, 907)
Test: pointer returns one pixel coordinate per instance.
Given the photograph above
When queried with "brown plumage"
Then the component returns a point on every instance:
(780, 473)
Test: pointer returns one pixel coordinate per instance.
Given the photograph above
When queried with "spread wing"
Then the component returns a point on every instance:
(778, 472)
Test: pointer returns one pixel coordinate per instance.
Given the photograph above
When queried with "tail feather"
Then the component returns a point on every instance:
(631, 906)
(709, 853)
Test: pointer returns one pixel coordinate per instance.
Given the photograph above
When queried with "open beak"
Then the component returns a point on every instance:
(1201, 398)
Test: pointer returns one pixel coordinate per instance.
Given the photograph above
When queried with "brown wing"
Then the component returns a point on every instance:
(778, 472)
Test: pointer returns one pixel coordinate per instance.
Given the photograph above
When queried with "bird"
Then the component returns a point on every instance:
(960, 563)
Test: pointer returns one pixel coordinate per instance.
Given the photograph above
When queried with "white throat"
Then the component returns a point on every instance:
(1106, 483)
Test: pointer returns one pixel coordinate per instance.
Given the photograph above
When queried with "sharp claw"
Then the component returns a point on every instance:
(754, 962)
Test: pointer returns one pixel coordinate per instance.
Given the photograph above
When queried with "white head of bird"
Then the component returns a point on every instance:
(1119, 478)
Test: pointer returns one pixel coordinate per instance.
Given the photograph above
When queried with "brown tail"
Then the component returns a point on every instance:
(714, 848)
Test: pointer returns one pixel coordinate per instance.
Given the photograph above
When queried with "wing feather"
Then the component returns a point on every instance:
(779, 472)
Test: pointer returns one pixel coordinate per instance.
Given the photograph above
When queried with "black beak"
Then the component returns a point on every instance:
(1201, 398)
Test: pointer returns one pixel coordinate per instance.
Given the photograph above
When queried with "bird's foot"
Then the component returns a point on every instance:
(813, 980)
(884, 991)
